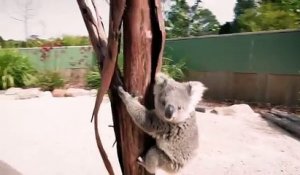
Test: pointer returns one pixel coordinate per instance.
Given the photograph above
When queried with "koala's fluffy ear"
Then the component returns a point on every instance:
(196, 90)
(161, 78)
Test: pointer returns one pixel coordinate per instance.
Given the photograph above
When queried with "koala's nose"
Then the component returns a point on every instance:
(169, 111)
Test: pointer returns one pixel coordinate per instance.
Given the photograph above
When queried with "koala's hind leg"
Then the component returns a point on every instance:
(156, 159)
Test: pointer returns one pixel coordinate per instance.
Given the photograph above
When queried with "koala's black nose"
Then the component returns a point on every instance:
(169, 111)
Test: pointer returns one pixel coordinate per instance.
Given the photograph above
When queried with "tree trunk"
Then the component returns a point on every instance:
(144, 38)
(143, 43)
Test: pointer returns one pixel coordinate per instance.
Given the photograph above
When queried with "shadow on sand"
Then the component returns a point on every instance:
(6, 169)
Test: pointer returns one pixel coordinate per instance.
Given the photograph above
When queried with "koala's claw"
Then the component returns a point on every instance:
(138, 97)
(121, 91)
(140, 161)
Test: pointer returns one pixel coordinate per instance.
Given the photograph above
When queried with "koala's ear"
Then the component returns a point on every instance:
(196, 89)
(161, 78)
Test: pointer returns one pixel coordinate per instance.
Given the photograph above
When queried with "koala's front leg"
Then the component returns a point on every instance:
(143, 118)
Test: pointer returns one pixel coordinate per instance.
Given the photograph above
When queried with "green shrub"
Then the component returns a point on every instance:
(15, 70)
(173, 70)
(93, 79)
(49, 80)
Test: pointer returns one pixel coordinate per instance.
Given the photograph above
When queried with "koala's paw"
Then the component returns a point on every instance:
(137, 97)
(161, 77)
(140, 161)
(122, 93)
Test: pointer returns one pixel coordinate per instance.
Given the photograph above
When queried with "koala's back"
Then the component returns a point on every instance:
(179, 141)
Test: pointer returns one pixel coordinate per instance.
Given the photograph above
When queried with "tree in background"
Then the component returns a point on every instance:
(203, 22)
(183, 20)
(242, 5)
(240, 8)
(26, 11)
(1, 42)
(268, 16)
(178, 20)
(264, 15)
(286, 5)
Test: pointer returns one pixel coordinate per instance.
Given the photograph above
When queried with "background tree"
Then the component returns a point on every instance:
(264, 15)
(286, 5)
(203, 23)
(26, 10)
(178, 20)
(2, 42)
(268, 16)
(183, 20)
(240, 7)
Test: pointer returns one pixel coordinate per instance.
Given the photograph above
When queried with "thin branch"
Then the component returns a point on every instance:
(99, 19)
(109, 63)
(99, 44)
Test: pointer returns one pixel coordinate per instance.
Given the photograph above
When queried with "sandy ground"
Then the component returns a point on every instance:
(50, 136)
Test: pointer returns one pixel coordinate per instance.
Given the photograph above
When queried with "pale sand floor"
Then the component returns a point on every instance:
(54, 136)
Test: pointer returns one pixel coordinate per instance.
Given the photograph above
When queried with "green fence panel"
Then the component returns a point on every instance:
(265, 52)
(59, 58)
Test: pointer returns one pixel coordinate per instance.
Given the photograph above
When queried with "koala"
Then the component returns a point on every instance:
(172, 123)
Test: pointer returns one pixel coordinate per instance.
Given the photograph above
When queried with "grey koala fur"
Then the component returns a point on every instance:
(172, 123)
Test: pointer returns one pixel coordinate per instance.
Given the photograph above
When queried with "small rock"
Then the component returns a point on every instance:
(200, 109)
(28, 93)
(75, 92)
(46, 94)
(12, 91)
(59, 93)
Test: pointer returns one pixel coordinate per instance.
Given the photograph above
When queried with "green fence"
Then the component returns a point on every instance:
(253, 67)
(60, 58)
(265, 52)
(260, 67)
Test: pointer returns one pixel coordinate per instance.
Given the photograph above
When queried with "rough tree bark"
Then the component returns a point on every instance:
(143, 43)
(144, 38)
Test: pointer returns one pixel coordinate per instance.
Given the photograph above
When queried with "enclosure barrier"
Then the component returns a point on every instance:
(254, 67)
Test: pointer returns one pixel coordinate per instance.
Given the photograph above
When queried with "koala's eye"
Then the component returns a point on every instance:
(179, 107)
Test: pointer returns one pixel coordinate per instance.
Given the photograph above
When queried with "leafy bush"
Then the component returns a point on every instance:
(49, 80)
(174, 70)
(93, 79)
(15, 70)
(69, 40)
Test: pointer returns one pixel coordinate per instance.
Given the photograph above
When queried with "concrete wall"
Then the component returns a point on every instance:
(250, 87)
